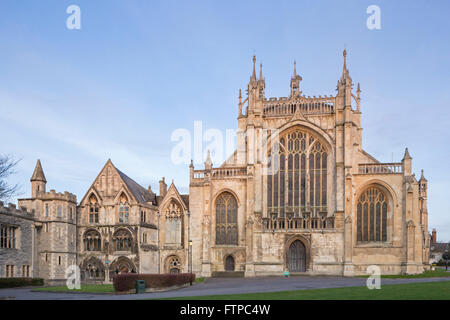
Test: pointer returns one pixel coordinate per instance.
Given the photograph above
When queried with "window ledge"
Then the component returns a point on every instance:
(374, 245)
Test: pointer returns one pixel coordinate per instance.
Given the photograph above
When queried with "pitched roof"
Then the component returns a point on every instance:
(439, 247)
(139, 192)
(38, 173)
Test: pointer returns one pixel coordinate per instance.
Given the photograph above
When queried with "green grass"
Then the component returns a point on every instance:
(199, 280)
(427, 274)
(410, 291)
(85, 288)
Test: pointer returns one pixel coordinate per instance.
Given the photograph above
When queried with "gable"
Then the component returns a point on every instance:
(110, 181)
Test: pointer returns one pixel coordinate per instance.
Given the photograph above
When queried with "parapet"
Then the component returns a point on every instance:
(53, 195)
(11, 208)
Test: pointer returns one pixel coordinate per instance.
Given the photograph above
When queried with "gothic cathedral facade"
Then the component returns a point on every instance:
(298, 195)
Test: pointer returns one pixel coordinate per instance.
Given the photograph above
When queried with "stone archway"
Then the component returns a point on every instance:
(297, 253)
(122, 265)
(229, 263)
(296, 257)
(92, 269)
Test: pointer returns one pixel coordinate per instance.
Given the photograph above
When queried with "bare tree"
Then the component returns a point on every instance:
(7, 166)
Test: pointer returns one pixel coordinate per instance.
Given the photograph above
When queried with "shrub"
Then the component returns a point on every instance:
(127, 281)
(20, 282)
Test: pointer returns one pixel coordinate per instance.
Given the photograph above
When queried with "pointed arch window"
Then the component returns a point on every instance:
(124, 209)
(122, 240)
(93, 209)
(371, 217)
(297, 176)
(226, 220)
(92, 241)
(174, 224)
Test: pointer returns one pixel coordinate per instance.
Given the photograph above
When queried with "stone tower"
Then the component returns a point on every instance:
(55, 227)
(38, 181)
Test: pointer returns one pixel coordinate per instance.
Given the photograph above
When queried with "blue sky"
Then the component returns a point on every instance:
(138, 70)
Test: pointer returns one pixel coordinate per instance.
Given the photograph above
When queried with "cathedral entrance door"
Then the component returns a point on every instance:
(229, 263)
(297, 257)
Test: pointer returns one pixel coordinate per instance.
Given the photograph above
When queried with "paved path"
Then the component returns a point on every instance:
(214, 286)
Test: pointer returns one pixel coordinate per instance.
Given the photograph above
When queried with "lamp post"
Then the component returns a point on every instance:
(190, 247)
(190, 259)
(159, 249)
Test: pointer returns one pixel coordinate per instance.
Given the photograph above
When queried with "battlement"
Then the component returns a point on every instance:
(53, 195)
(276, 107)
(12, 209)
(296, 98)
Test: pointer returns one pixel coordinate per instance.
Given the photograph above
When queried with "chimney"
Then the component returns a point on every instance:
(433, 236)
(162, 187)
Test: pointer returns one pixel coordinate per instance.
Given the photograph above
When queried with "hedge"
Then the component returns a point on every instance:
(20, 282)
(127, 281)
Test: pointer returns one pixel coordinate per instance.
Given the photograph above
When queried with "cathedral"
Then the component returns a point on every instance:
(298, 195)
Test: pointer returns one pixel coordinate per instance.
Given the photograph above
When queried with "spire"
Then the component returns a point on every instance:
(260, 72)
(345, 59)
(295, 82)
(422, 177)
(38, 174)
(345, 72)
(254, 70)
(240, 96)
(406, 156)
(208, 162)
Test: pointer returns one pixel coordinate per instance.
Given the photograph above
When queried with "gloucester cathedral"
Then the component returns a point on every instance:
(299, 194)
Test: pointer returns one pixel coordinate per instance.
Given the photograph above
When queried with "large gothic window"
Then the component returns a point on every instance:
(92, 241)
(297, 176)
(174, 224)
(124, 209)
(122, 240)
(226, 219)
(93, 209)
(372, 216)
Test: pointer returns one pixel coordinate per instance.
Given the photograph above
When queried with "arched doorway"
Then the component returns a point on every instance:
(173, 265)
(296, 257)
(122, 265)
(229, 263)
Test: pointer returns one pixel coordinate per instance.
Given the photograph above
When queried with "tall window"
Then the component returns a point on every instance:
(46, 210)
(226, 219)
(59, 211)
(372, 216)
(297, 176)
(93, 209)
(143, 216)
(122, 240)
(123, 209)
(92, 241)
(7, 237)
(123, 213)
(174, 224)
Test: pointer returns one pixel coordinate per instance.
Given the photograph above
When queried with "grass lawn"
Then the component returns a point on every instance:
(427, 274)
(410, 291)
(199, 280)
(86, 288)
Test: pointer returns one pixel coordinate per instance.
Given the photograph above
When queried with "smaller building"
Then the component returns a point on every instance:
(17, 239)
(437, 249)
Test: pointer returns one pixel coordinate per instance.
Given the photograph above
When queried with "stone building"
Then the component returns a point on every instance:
(18, 257)
(300, 194)
(55, 225)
